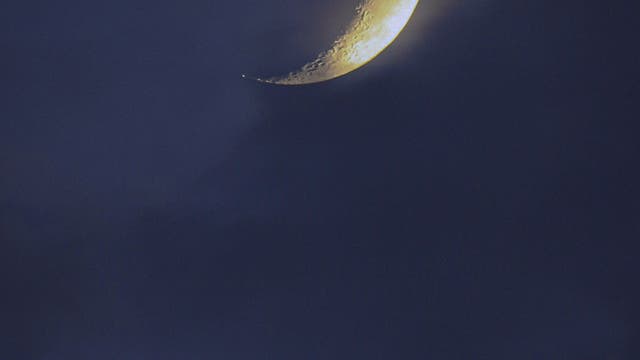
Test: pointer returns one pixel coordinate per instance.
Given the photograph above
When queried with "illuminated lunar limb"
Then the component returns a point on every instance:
(376, 25)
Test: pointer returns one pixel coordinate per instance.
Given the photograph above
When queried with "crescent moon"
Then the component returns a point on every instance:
(376, 25)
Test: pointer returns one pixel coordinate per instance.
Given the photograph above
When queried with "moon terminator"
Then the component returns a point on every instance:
(376, 25)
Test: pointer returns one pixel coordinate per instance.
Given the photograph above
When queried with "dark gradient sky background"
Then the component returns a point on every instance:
(471, 194)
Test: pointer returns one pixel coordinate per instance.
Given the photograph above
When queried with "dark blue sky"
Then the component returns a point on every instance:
(470, 194)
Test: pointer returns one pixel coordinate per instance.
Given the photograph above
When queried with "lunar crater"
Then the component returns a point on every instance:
(375, 26)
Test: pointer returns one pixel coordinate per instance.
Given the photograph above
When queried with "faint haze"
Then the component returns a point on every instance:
(471, 193)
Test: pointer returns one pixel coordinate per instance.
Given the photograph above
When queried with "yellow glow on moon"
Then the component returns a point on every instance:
(376, 25)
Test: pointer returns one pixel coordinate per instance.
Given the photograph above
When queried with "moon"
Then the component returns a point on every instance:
(376, 25)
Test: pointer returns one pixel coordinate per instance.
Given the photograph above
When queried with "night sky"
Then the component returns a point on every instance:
(473, 193)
